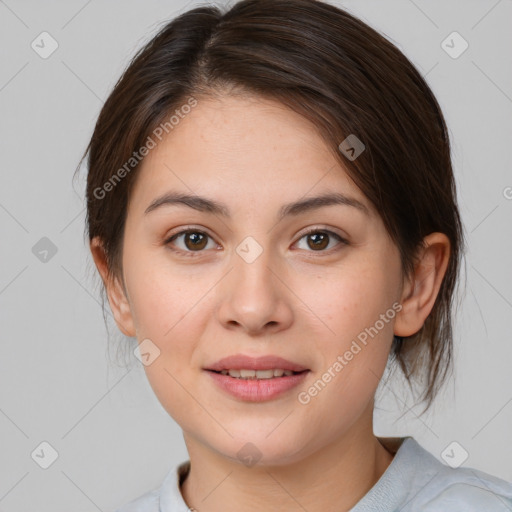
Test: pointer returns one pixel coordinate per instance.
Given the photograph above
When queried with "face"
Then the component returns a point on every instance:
(246, 280)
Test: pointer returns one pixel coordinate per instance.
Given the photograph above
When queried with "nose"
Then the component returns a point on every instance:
(254, 297)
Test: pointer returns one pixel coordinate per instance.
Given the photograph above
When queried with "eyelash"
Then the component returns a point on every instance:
(196, 253)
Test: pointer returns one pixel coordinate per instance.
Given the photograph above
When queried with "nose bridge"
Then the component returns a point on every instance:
(252, 297)
(250, 250)
(253, 269)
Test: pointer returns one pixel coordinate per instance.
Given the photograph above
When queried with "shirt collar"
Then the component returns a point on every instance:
(171, 499)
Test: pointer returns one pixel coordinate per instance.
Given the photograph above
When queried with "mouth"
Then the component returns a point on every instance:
(248, 374)
(246, 364)
(256, 379)
(257, 385)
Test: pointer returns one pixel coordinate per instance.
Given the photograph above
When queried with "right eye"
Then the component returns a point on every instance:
(192, 240)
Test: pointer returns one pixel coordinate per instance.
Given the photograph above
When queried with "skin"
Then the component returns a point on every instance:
(295, 300)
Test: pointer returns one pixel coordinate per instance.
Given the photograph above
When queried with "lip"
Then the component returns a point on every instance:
(257, 390)
(267, 362)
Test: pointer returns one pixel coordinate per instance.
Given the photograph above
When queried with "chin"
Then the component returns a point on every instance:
(262, 449)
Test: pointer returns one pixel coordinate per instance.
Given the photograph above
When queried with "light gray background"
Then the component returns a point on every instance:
(60, 382)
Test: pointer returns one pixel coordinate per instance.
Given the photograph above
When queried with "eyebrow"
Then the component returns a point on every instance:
(207, 205)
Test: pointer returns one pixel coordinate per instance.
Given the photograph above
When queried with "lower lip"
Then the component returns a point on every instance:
(257, 390)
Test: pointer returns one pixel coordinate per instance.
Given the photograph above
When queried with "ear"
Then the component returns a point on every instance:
(420, 289)
(116, 294)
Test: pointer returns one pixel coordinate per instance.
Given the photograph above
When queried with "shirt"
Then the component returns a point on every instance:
(414, 481)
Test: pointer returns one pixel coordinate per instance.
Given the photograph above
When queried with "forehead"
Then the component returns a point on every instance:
(245, 148)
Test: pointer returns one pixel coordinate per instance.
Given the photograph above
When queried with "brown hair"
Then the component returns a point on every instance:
(337, 72)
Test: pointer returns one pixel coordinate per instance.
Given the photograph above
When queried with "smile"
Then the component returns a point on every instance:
(257, 374)
(257, 385)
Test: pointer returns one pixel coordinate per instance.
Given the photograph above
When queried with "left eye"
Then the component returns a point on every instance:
(318, 240)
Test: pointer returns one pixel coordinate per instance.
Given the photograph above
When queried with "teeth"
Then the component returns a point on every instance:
(256, 374)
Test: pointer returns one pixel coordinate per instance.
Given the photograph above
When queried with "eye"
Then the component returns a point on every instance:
(319, 239)
(192, 240)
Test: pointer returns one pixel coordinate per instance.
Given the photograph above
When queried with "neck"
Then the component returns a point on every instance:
(341, 473)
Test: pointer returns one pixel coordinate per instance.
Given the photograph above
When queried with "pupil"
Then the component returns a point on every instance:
(317, 242)
(196, 240)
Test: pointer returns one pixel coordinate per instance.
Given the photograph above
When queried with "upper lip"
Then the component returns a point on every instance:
(242, 362)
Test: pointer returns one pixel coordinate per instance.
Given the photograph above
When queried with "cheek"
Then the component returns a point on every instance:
(349, 300)
(167, 312)
(356, 310)
(171, 388)
(159, 298)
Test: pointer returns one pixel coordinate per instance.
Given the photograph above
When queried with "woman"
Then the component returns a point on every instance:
(272, 210)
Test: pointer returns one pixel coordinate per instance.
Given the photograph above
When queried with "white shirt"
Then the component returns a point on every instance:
(414, 481)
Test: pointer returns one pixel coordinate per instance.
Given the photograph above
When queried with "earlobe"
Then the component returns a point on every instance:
(115, 292)
(421, 289)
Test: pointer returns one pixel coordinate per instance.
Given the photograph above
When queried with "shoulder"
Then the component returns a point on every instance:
(148, 502)
(166, 498)
(462, 489)
(468, 490)
(416, 480)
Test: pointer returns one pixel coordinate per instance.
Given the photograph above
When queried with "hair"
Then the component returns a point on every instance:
(335, 71)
